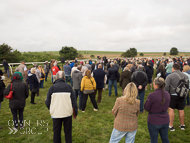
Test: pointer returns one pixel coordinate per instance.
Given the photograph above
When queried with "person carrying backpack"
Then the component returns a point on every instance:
(177, 85)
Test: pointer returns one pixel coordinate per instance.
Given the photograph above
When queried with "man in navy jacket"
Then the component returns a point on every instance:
(99, 75)
(113, 74)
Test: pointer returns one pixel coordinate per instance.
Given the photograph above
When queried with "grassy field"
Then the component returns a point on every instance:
(114, 54)
(88, 127)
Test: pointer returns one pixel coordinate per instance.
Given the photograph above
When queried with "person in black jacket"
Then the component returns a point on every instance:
(125, 78)
(34, 84)
(61, 102)
(99, 75)
(161, 72)
(6, 67)
(18, 102)
(140, 78)
(113, 74)
(108, 65)
(149, 71)
(93, 66)
(2, 88)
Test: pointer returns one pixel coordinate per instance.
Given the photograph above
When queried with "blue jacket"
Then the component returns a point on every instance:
(72, 64)
(67, 70)
(99, 75)
(33, 81)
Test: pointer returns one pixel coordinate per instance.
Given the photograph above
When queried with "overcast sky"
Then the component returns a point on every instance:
(107, 25)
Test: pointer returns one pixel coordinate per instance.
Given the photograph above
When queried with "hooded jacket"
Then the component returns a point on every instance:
(88, 83)
(20, 93)
(76, 78)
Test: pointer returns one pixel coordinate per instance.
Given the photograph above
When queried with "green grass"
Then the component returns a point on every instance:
(88, 127)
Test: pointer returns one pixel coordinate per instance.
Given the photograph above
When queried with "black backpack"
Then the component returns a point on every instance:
(182, 88)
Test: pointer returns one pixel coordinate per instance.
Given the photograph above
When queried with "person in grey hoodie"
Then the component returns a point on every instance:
(176, 102)
(77, 77)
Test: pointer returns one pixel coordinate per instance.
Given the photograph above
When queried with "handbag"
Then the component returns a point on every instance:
(10, 96)
(88, 91)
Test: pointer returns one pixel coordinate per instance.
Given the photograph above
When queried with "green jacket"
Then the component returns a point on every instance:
(169, 68)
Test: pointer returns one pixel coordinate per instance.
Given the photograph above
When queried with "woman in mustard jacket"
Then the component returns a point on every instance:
(42, 76)
(88, 85)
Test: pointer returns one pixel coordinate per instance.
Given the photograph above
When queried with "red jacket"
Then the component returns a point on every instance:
(55, 69)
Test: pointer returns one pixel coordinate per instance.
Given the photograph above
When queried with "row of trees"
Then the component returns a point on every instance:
(132, 52)
(15, 56)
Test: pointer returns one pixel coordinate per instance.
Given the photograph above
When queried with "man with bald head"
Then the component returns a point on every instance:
(99, 75)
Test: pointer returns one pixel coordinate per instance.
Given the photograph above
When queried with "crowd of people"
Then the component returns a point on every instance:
(89, 78)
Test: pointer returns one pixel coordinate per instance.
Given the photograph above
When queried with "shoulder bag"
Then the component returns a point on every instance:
(10, 96)
(89, 91)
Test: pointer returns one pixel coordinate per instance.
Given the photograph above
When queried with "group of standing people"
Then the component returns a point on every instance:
(88, 79)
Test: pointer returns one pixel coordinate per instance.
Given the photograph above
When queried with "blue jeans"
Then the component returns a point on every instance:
(68, 78)
(7, 71)
(114, 82)
(79, 93)
(141, 95)
(116, 136)
(46, 76)
(167, 74)
(41, 84)
(161, 129)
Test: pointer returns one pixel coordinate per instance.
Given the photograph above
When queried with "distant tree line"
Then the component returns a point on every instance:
(69, 53)
(15, 56)
(132, 52)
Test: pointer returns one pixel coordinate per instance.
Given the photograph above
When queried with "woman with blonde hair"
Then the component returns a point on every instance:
(33, 81)
(126, 110)
(157, 105)
(88, 85)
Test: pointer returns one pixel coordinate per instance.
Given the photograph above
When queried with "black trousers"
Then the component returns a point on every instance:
(57, 126)
(32, 97)
(92, 98)
(15, 118)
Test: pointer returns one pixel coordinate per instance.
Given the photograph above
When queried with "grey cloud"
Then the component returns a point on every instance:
(95, 25)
